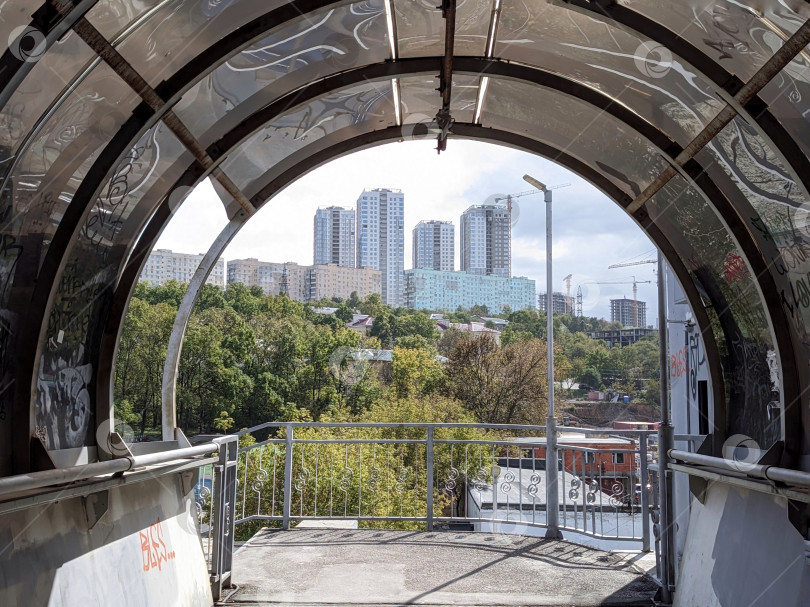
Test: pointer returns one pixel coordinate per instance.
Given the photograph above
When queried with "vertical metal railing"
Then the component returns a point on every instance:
(431, 476)
(224, 514)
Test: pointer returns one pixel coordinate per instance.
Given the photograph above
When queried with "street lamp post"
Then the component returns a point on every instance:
(552, 477)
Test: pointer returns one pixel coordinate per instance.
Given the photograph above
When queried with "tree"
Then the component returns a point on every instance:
(224, 422)
(415, 323)
(415, 372)
(344, 313)
(500, 385)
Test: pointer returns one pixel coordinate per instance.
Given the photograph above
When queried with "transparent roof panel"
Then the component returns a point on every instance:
(51, 76)
(358, 109)
(307, 49)
(740, 36)
(50, 169)
(421, 100)
(658, 87)
(781, 207)
(788, 96)
(138, 181)
(178, 31)
(742, 331)
(420, 27)
(589, 134)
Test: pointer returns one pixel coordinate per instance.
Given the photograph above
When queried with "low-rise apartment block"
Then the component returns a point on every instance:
(305, 283)
(439, 290)
(164, 265)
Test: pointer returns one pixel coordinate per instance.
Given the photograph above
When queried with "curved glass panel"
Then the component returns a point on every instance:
(421, 100)
(140, 179)
(575, 127)
(657, 86)
(734, 34)
(779, 217)
(420, 27)
(741, 331)
(179, 31)
(48, 172)
(315, 46)
(50, 78)
(788, 98)
(367, 107)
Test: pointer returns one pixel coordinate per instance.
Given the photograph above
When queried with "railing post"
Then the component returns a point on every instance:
(666, 435)
(552, 481)
(645, 496)
(429, 481)
(288, 465)
(224, 515)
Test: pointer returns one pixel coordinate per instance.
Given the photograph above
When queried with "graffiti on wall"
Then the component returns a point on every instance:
(154, 551)
(64, 401)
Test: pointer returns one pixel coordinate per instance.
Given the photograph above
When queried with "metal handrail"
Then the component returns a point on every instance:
(797, 478)
(425, 425)
(36, 480)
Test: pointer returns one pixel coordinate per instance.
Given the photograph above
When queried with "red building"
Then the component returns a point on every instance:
(607, 460)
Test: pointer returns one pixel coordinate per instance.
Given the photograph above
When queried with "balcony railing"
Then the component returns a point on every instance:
(426, 476)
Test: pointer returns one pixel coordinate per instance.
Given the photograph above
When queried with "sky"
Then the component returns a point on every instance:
(590, 231)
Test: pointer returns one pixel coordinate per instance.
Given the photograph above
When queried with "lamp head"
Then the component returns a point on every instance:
(533, 182)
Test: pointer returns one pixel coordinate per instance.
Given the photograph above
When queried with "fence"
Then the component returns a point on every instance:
(424, 476)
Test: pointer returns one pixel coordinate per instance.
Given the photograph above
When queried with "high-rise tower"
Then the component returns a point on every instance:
(434, 245)
(381, 239)
(334, 237)
(486, 234)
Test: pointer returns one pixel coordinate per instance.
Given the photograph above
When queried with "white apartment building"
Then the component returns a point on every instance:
(334, 238)
(164, 265)
(434, 245)
(381, 239)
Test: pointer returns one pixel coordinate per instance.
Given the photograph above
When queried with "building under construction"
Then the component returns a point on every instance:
(629, 312)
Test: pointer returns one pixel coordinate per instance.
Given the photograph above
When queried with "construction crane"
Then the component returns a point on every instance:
(508, 198)
(635, 288)
(568, 307)
(635, 284)
(632, 263)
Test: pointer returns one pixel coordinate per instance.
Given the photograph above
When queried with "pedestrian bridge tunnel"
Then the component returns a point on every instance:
(692, 117)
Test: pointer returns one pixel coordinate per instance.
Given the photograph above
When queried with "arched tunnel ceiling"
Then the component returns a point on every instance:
(691, 117)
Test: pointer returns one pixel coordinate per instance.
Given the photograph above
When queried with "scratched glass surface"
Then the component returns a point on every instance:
(339, 115)
(742, 332)
(420, 27)
(177, 32)
(575, 127)
(134, 187)
(781, 213)
(738, 36)
(322, 43)
(51, 75)
(788, 98)
(47, 173)
(421, 100)
(628, 68)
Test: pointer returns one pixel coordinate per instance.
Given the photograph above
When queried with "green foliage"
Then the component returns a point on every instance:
(416, 372)
(224, 422)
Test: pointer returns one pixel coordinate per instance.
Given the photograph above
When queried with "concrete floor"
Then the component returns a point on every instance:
(375, 567)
